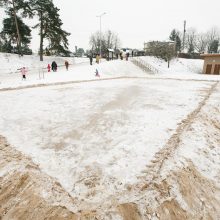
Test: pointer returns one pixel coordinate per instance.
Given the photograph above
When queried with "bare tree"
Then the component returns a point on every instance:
(108, 40)
(94, 41)
(201, 43)
(191, 40)
(161, 49)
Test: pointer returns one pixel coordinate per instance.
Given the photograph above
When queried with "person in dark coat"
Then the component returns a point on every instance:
(67, 65)
(121, 56)
(91, 58)
(127, 56)
(54, 66)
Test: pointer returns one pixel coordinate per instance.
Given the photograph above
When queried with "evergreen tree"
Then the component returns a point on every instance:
(1, 44)
(9, 35)
(213, 47)
(191, 48)
(57, 36)
(175, 36)
(12, 7)
(50, 27)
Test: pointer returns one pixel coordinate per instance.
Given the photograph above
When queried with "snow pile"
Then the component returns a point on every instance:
(79, 70)
(177, 65)
(189, 69)
(10, 63)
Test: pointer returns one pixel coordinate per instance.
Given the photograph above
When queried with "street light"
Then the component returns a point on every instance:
(100, 33)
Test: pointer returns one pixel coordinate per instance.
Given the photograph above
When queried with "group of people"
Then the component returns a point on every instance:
(54, 66)
(97, 58)
(123, 55)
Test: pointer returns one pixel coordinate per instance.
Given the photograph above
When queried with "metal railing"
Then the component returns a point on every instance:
(145, 66)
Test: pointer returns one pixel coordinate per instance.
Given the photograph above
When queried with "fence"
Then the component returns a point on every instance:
(145, 66)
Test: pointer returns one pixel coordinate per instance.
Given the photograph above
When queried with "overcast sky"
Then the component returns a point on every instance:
(135, 21)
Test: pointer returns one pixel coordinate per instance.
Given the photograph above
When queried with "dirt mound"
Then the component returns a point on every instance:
(187, 184)
(199, 196)
(26, 193)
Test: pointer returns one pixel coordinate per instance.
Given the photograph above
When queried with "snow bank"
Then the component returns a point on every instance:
(11, 62)
(177, 65)
(180, 68)
(80, 69)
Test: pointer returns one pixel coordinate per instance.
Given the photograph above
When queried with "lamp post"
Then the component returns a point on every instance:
(100, 33)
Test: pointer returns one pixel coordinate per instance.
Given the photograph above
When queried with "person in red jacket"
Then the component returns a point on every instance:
(23, 73)
(48, 67)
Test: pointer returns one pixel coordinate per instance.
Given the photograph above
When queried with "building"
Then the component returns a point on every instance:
(150, 46)
(111, 53)
(211, 64)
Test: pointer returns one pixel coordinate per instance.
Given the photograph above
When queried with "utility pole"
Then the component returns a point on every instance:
(184, 35)
(100, 34)
(18, 33)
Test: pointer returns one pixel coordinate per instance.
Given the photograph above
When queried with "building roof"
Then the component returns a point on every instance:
(210, 55)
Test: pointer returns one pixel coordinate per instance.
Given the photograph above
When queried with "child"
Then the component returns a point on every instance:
(97, 73)
(23, 73)
(48, 67)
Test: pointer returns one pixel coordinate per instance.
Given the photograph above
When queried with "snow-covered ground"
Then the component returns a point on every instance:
(79, 70)
(10, 63)
(180, 68)
(100, 133)
(101, 139)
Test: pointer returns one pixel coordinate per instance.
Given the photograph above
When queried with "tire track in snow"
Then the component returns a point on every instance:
(156, 164)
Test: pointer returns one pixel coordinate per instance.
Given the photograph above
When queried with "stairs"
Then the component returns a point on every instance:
(146, 67)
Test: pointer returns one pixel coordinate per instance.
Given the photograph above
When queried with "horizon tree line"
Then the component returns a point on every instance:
(197, 42)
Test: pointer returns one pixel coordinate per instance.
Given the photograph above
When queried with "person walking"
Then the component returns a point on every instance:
(97, 58)
(54, 66)
(121, 56)
(23, 73)
(67, 65)
(91, 58)
(127, 56)
(48, 68)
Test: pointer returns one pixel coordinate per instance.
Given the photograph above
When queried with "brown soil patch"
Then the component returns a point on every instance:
(22, 189)
(129, 211)
(172, 211)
